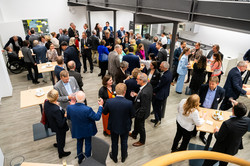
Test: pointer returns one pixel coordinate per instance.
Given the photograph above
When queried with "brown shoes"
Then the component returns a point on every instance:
(131, 135)
(138, 144)
(172, 83)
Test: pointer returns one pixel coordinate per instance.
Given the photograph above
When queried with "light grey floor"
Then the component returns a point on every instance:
(16, 136)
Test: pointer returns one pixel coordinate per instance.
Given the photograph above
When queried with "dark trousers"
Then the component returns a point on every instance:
(194, 133)
(181, 133)
(175, 74)
(87, 147)
(78, 69)
(157, 106)
(30, 66)
(84, 59)
(226, 104)
(60, 139)
(124, 144)
(212, 162)
(189, 73)
(139, 128)
(246, 78)
(104, 67)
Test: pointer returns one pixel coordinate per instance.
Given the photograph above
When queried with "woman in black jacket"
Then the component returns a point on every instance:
(107, 91)
(56, 120)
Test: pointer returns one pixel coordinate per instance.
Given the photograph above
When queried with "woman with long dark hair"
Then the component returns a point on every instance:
(199, 74)
(216, 65)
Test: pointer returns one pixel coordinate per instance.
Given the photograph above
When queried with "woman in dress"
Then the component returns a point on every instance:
(107, 91)
(216, 65)
(182, 69)
(199, 74)
(102, 49)
(187, 118)
(125, 44)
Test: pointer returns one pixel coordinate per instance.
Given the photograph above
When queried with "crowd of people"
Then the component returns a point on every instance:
(139, 75)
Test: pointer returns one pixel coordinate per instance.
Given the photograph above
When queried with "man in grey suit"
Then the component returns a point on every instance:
(67, 87)
(162, 53)
(146, 44)
(33, 37)
(114, 61)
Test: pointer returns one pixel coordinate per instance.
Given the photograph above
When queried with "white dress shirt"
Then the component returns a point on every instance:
(188, 122)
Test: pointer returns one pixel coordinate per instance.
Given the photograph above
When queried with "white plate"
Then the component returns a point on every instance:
(40, 94)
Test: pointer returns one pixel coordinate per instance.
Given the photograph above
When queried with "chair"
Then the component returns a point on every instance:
(100, 150)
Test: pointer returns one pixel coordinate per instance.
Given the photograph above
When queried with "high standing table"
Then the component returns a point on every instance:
(210, 128)
(28, 98)
(43, 68)
(208, 68)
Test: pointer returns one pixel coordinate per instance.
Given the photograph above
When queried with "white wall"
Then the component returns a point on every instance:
(232, 44)
(59, 14)
(122, 19)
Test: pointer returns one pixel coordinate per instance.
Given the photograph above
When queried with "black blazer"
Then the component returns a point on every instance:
(78, 78)
(163, 88)
(131, 86)
(71, 53)
(120, 112)
(143, 102)
(229, 137)
(71, 32)
(15, 48)
(219, 95)
(103, 93)
(94, 42)
(162, 56)
(233, 85)
(120, 76)
(86, 52)
(55, 117)
(155, 77)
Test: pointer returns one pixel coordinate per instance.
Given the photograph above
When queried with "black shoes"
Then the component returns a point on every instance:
(55, 145)
(91, 71)
(153, 120)
(35, 82)
(115, 160)
(80, 160)
(84, 71)
(124, 158)
(152, 112)
(178, 92)
(105, 134)
(64, 154)
(157, 124)
(100, 74)
(203, 139)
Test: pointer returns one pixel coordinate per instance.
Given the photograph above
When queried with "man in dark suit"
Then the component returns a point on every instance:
(146, 44)
(85, 27)
(71, 30)
(64, 37)
(233, 86)
(83, 123)
(177, 53)
(60, 33)
(132, 85)
(16, 42)
(215, 49)
(229, 136)
(161, 92)
(73, 73)
(56, 120)
(162, 53)
(121, 33)
(120, 112)
(142, 106)
(33, 37)
(152, 48)
(86, 52)
(59, 67)
(132, 59)
(210, 96)
(95, 43)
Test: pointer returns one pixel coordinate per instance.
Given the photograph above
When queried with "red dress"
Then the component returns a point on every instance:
(105, 118)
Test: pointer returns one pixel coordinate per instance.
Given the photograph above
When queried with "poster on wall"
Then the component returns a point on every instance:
(41, 25)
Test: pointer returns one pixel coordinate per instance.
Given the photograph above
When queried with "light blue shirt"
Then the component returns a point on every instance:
(68, 88)
(182, 66)
(209, 98)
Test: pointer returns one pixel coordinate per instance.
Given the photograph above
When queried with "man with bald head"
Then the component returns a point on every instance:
(73, 73)
(121, 33)
(83, 123)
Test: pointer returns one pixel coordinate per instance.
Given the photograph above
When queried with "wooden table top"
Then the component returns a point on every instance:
(40, 164)
(208, 68)
(42, 68)
(210, 128)
(247, 89)
(28, 97)
(248, 66)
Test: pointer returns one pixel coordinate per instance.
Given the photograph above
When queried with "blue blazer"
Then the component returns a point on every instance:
(57, 71)
(177, 53)
(219, 95)
(233, 85)
(120, 112)
(72, 54)
(182, 66)
(120, 33)
(83, 120)
(40, 52)
(163, 88)
(133, 61)
(152, 49)
(131, 86)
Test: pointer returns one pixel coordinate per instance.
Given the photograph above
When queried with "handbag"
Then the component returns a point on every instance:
(188, 91)
(104, 57)
(43, 119)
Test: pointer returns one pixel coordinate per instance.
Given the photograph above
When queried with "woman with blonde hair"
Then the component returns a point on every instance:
(133, 44)
(187, 118)
(56, 120)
